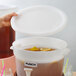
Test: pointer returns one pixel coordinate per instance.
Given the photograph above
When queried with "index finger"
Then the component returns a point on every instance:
(9, 16)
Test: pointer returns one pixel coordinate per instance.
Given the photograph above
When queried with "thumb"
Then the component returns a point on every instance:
(9, 16)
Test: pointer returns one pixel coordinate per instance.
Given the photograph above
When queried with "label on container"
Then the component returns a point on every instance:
(30, 64)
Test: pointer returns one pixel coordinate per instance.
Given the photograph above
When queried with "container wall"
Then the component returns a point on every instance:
(9, 64)
(7, 36)
(43, 69)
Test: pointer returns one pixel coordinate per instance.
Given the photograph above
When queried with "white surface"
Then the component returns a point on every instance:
(69, 7)
(39, 21)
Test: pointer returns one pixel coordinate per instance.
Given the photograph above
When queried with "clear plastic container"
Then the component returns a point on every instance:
(7, 35)
(43, 63)
(9, 62)
(39, 22)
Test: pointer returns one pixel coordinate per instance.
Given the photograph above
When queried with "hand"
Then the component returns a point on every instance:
(5, 20)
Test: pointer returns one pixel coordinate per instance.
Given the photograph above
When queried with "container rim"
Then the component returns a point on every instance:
(55, 30)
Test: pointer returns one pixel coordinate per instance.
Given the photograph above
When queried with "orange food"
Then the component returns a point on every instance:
(39, 49)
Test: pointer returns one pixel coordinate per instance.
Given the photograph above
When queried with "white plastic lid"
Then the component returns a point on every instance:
(39, 21)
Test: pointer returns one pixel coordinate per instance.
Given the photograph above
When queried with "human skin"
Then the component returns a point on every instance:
(5, 20)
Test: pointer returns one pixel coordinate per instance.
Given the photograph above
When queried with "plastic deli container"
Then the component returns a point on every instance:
(37, 23)
(7, 35)
(10, 66)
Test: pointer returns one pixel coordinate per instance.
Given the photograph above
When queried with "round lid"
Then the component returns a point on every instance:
(39, 21)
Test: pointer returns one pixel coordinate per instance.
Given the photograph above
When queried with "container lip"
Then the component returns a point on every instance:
(14, 43)
(39, 52)
(17, 48)
(7, 57)
(41, 56)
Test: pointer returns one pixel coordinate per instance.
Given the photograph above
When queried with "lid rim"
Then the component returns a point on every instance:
(58, 29)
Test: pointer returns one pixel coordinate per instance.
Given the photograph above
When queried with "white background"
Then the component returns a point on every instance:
(69, 33)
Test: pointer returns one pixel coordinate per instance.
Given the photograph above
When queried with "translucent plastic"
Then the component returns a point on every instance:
(42, 63)
(7, 35)
(9, 64)
(43, 69)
